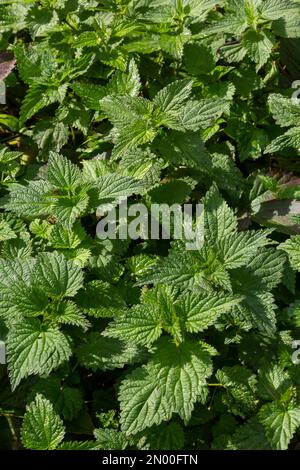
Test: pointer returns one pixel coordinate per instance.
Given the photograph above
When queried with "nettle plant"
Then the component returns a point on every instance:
(143, 344)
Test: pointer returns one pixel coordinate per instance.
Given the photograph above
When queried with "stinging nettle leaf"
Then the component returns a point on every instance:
(34, 200)
(201, 311)
(100, 353)
(142, 325)
(62, 173)
(35, 349)
(170, 383)
(112, 186)
(57, 276)
(280, 422)
(172, 97)
(110, 439)
(42, 428)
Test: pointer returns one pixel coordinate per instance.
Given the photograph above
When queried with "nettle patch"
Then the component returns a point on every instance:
(141, 343)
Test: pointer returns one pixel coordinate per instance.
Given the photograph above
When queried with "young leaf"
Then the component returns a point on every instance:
(62, 173)
(110, 439)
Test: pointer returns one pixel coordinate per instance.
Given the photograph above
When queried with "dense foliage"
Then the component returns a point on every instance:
(143, 344)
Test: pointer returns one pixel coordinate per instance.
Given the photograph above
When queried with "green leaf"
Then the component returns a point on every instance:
(142, 324)
(202, 310)
(100, 299)
(57, 276)
(219, 219)
(90, 94)
(100, 353)
(68, 207)
(172, 97)
(284, 110)
(33, 348)
(166, 436)
(187, 149)
(18, 296)
(133, 135)
(290, 139)
(292, 248)
(235, 24)
(127, 83)
(273, 382)
(14, 18)
(240, 384)
(15, 271)
(50, 135)
(30, 201)
(112, 186)
(198, 59)
(39, 96)
(201, 114)
(77, 445)
(237, 249)
(23, 299)
(106, 266)
(249, 436)
(170, 383)
(17, 248)
(62, 236)
(67, 401)
(40, 228)
(9, 121)
(6, 232)
(110, 439)
(126, 110)
(288, 27)
(267, 267)
(258, 306)
(177, 269)
(275, 9)
(280, 422)
(173, 44)
(42, 428)
(70, 314)
(259, 46)
(34, 62)
(86, 39)
(62, 173)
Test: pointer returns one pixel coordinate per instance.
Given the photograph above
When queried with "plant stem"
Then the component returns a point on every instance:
(11, 427)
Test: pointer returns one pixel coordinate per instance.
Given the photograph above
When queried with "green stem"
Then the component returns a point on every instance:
(11, 427)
